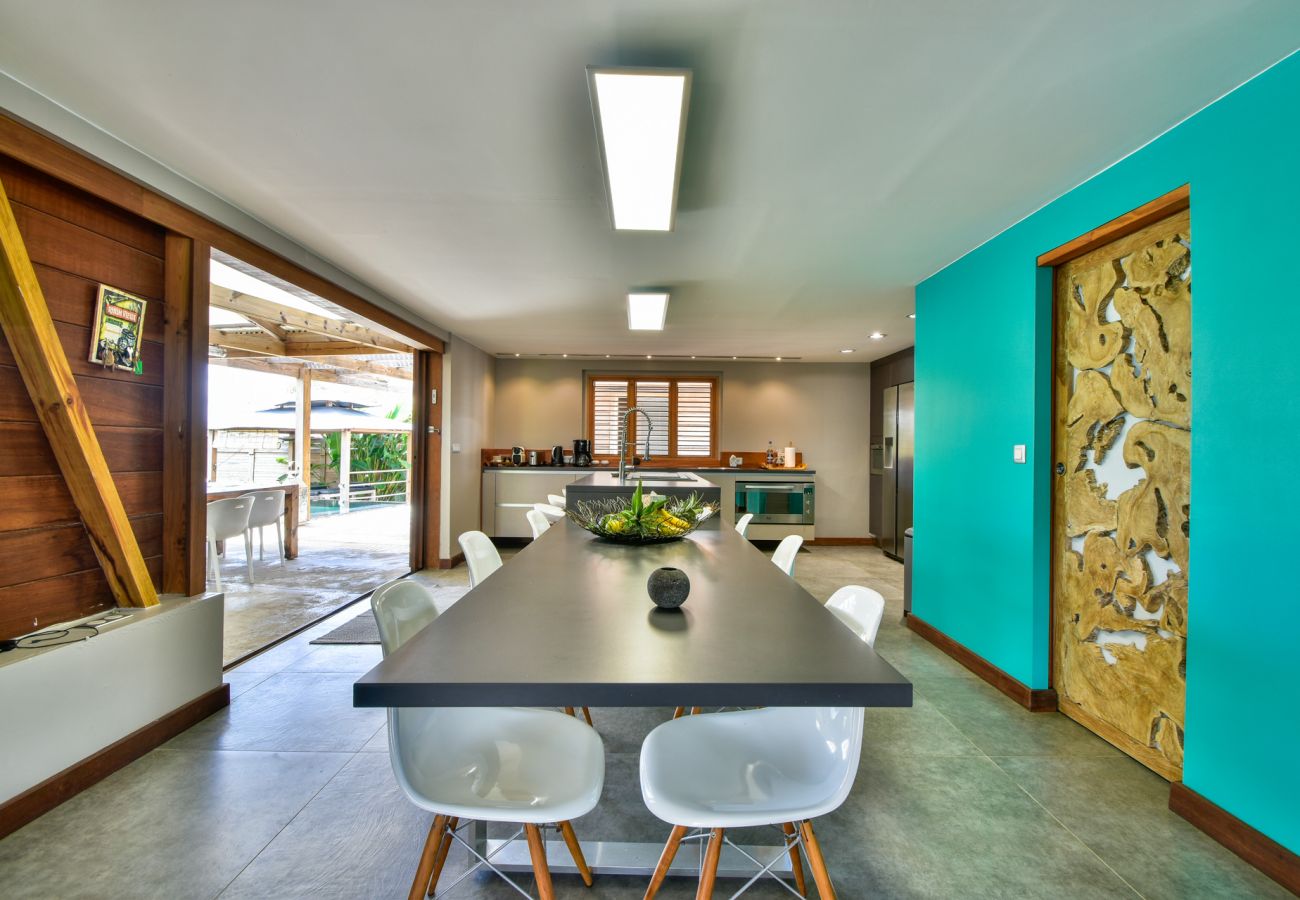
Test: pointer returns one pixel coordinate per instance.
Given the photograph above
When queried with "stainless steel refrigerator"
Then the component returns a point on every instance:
(897, 456)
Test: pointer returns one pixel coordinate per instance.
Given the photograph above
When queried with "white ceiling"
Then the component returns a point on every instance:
(836, 152)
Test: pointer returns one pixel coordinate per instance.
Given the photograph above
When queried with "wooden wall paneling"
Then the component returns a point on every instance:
(71, 299)
(27, 452)
(34, 604)
(34, 501)
(32, 338)
(37, 553)
(106, 400)
(74, 249)
(426, 473)
(68, 165)
(185, 415)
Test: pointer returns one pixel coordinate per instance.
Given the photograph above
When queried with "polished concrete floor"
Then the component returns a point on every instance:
(289, 793)
(339, 558)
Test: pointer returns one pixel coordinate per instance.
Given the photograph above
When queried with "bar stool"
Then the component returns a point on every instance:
(480, 555)
(785, 553)
(537, 522)
(777, 766)
(229, 519)
(529, 766)
(742, 524)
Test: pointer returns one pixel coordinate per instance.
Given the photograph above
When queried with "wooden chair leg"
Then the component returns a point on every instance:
(679, 712)
(817, 862)
(425, 868)
(665, 860)
(541, 871)
(568, 711)
(443, 847)
(586, 714)
(575, 850)
(709, 873)
(796, 865)
(696, 710)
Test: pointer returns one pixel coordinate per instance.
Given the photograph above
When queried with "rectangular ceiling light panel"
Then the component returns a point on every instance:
(641, 123)
(647, 311)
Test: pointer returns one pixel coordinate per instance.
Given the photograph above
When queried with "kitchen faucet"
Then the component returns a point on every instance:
(622, 442)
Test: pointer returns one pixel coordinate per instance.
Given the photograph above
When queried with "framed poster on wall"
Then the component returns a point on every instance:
(116, 334)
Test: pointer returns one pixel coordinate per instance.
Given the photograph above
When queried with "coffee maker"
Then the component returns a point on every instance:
(582, 452)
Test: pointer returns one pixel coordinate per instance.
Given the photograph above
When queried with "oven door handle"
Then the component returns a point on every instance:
(773, 489)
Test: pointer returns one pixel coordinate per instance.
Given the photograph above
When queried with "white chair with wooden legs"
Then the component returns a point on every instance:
(557, 500)
(528, 766)
(786, 552)
(480, 555)
(742, 524)
(552, 513)
(228, 519)
(860, 608)
(537, 522)
(806, 759)
(268, 509)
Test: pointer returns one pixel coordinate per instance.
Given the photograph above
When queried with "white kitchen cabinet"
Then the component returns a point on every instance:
(508, 494)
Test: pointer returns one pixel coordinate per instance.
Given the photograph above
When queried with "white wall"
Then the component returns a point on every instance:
(467, 392)
(822, 407)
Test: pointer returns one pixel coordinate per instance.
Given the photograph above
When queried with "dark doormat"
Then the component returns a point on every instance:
(361, 630)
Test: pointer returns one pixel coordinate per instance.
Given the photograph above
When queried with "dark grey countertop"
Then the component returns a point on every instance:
(603, 481)
(740, 470)
(567, 622)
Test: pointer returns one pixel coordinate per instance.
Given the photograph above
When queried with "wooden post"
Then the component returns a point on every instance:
(29, 329)
(302, 441)
(345, 471)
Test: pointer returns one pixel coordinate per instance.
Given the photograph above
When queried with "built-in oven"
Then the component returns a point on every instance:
(776, 502)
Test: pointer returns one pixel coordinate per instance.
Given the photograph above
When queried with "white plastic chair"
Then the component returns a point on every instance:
(229, 519)
(860, 608)
(742, 524)
(480, 555)
(268, 509)
(537, 522)
(557, 500)
(776, 766)
(530, 766)
(786, 552)
(552, 513)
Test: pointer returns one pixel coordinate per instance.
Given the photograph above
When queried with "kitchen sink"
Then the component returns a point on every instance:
(659, 476)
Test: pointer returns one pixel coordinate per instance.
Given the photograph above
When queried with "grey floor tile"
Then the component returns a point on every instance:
(174, 824)
(241, 681)
(1120, 809)
(288, 711)
(920, 730)
(355, 659)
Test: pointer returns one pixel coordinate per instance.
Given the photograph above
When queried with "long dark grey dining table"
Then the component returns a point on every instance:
(568, 622)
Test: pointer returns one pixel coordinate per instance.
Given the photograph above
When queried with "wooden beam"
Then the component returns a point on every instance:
(257, 308)
(304, 346)
(185, 413)
(247, 341)
(371, 367)
(292, 370)
(1133, 221)
(302, 441)
(34, 343)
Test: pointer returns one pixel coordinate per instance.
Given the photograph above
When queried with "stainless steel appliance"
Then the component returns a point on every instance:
(557, 455)
(532, 458)
(581, 452)
(776, 502)
(896, 467)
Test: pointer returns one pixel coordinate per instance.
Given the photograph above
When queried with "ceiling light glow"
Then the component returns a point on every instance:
(640, 122)
(646, 310)
(847, 350)
(876, 335)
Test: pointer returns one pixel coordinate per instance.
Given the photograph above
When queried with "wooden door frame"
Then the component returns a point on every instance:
(1131, 222)
(426, 460)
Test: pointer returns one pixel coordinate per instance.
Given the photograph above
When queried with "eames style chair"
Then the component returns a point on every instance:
(228, 519)
(527, 766)
(786, 552)
(480, 555)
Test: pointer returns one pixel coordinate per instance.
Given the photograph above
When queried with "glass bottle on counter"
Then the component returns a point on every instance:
(771, 454)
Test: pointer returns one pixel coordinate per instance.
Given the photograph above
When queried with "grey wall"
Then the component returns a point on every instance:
(822, 407)
(467, 388)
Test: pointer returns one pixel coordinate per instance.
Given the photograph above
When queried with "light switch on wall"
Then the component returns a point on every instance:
(455, 448)
(1018, 453)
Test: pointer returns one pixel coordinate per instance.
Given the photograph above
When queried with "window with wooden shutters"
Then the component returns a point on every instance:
(684, 411)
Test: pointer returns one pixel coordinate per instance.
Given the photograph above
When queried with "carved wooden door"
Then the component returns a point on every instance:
(1121, 513)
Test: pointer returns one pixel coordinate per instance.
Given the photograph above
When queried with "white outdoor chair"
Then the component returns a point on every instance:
(557, 500)
(480, 555)
(537, 522)
(228, 519)
(860, 608)
(776, 766)
(529, 766)
(268, 509)
(786, 552)
(742, 524)
(552, 513)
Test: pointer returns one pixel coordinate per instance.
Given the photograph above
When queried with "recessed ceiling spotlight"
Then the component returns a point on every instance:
(516, 354)
(648, 356)
(778, 359)
(847, 350)
(640, 121)
(606, 356)
(911, 315)
(646, 310)
(876, 335)
(692, 357)
(565, 355)
(735, 357)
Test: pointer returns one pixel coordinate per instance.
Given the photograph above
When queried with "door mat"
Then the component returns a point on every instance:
(361, 630)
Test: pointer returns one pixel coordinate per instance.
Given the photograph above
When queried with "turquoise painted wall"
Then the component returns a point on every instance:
(982, 384)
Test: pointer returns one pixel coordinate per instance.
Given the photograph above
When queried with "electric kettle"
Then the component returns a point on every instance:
(517, 456)
(557, 455)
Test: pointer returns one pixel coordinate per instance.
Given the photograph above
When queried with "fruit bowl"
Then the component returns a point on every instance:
(636, 521)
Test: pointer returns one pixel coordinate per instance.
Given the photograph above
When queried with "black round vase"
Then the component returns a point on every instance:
(668, 587)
